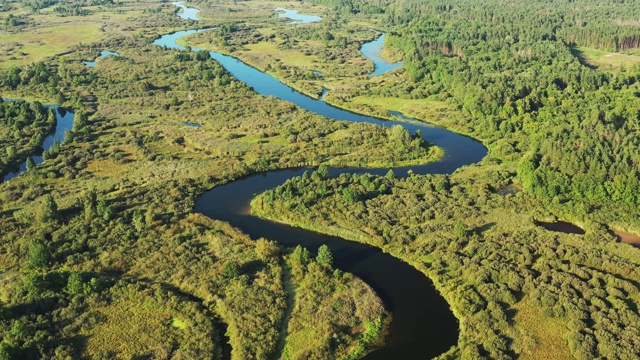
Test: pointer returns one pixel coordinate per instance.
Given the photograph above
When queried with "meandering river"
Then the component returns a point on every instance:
(423, 325)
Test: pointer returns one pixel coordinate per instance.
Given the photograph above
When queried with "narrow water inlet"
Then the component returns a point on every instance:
(64, 123)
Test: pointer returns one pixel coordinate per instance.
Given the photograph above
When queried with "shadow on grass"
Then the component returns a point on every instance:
(579, 54)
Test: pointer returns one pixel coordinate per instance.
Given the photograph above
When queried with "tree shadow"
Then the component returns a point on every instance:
(482, 228)
(579, 54)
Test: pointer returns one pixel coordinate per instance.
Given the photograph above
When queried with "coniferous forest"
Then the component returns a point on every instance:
(498, 160)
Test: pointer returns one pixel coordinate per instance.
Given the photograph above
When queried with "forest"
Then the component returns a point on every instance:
(102, 255)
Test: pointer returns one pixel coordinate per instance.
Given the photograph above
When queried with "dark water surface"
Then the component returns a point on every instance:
(627, 238)
(561, 226)
(423, 325)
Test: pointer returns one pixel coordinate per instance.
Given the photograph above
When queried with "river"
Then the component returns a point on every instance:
(64, 123)
(423, 325)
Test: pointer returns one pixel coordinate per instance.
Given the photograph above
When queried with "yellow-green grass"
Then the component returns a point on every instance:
(44, 42)
(606, 61)
(178, 324)
(288, 57)
(547, 334)
(135, 327)
(421, 109)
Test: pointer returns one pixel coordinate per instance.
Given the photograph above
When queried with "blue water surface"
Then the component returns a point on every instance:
(102, 54)
(297, 17)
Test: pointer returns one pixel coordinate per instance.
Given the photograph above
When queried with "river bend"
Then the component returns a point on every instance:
(423, 325)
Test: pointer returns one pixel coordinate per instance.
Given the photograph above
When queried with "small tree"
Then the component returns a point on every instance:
(350, 195)
(301, 254)
(325, 257)
(138, 220)
(34, 285)
(460, 229)
(6, 351)
(231, 269)
(79, 121)
(30, 164)
(48, 209)
(74, 284)
(102, 207)
(3, 311)
(323, 172)
(109, 213)
(39, 254)
(90, 202)
(266, 250)
(390, 174)
(11, 151)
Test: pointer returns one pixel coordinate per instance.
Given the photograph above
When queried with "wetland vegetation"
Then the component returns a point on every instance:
(103, 256)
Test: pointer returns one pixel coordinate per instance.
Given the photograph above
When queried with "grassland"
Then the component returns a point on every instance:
(45, 33)
(606, 61)
(36, 45)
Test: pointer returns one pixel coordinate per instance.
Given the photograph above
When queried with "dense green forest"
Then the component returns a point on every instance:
(101, 255)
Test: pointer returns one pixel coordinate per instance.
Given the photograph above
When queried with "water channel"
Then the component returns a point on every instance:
(423, 326)
(64, 123)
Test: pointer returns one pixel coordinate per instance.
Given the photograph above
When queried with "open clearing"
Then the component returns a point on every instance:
(605, 61)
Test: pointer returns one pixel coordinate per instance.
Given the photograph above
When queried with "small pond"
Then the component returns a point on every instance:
(102, 54)
(627, 238)
(296, 17)
(561, 226)
(192, 124)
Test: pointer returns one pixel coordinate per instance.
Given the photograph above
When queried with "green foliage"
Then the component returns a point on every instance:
(74, 284)
(325, 257)
(485, 255)
(30, 164)
(460, 229)
(343, 303)
(138, 220)
(34, 285)
(568, 131)
(6, 351)
(323, 172)
(350, 195)
(267, 250)
(79, 121)
(231, 270)
(301, 255)
(39, 254)
(23, 127)
(47, 210)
